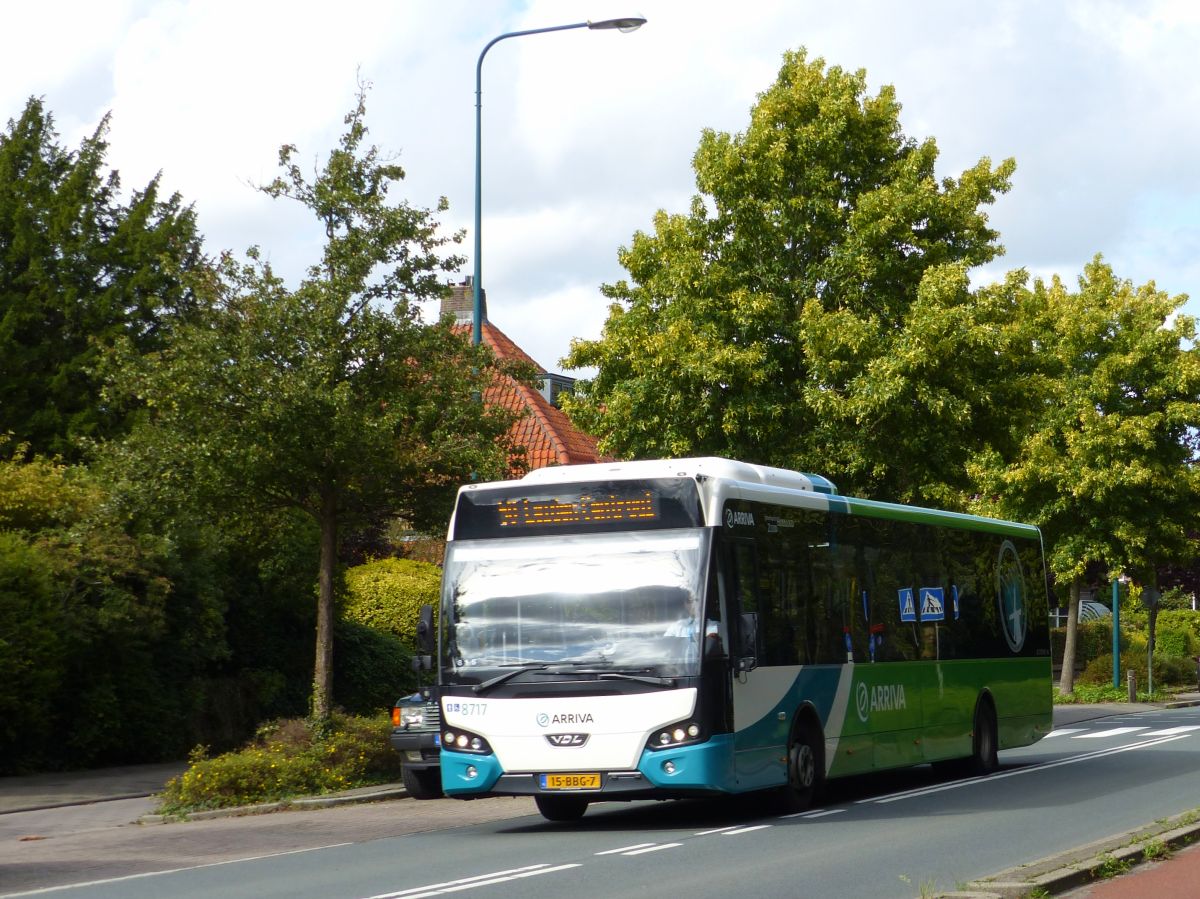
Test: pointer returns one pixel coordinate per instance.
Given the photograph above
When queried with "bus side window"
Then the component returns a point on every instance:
(744, 580)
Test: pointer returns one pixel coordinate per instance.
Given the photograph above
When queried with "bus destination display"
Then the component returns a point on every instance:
(509, 510)
(609, 508)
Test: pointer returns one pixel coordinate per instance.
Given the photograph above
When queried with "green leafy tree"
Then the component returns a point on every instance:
(765, 324)
(79, 269)
(103, 644)
(333, 399)
(1104, 466)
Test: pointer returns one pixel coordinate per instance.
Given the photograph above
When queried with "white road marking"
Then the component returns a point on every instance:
(624, 849)
(704, 833)
(738, 830)
(1112, 732)
(654, 848)
(467, 883)
(1065, 731)
(1087, 756)
(232, 861)
(810, 815)
(1171, 731)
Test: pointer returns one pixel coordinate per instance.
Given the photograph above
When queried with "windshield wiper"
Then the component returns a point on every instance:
(608, 673)
(653, 680)
(501, 678)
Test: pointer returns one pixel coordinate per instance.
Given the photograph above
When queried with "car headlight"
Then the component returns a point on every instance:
(408, 716)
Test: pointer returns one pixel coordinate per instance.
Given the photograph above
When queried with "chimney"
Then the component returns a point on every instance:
(460, 302)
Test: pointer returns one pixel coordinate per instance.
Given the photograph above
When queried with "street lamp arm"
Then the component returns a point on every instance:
(627, 24)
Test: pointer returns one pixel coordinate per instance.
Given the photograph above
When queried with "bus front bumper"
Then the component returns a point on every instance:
(701, 769)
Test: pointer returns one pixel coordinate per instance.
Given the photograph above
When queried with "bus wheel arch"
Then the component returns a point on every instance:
(805, 761)
(985, 739)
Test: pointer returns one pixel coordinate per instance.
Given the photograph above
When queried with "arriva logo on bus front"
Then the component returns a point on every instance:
(879, 698)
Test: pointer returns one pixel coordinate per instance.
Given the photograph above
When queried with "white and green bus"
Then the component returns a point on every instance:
(664, 629)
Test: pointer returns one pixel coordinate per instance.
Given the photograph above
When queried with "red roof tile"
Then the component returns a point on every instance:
(544, 431)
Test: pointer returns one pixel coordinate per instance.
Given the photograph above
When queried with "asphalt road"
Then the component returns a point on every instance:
(902, 834)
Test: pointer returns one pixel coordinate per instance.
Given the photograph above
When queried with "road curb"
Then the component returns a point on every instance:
(368, 794)
(1058, 873)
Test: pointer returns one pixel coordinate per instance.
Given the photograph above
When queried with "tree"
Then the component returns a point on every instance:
(104, 647)
(755, 325)
(334, 398)
(78, 270)
(1104, 467)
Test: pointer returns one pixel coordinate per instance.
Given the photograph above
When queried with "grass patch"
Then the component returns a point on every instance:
(287, 759)
(1110, 867)
(1155, 850)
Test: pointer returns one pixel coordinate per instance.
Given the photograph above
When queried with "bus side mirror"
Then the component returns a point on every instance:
(426, 639)
(748, 642)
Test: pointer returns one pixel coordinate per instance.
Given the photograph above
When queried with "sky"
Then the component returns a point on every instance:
(586, 134)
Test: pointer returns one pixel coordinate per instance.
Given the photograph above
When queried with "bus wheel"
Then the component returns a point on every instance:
(425, 783)
(561, 808)
(805, 769)
(985, 743)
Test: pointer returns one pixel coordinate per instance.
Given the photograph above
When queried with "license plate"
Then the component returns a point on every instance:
(570, 781)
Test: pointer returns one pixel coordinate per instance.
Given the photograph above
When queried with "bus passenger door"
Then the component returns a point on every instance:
(760, 735)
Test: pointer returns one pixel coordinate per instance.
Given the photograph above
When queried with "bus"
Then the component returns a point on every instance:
(699, 627)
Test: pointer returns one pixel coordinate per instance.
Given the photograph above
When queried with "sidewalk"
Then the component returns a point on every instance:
(45, 791)
(80, 789)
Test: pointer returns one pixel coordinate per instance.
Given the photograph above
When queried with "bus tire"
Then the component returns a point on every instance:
(984, 742)
(561, 808)
(805, 768)
(425, 783)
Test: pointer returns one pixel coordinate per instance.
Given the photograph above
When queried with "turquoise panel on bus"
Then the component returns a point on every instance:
(457, 779)
(705, 766)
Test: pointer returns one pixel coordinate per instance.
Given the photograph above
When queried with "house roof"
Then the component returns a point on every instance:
(545, 432)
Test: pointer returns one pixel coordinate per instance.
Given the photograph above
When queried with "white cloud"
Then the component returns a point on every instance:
(587, 134)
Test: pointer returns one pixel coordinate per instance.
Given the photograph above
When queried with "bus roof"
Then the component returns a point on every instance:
(710, 466)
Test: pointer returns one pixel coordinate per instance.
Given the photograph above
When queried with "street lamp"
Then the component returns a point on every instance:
(625, 25)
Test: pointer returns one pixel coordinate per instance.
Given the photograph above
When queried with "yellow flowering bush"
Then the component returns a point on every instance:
(287, 759)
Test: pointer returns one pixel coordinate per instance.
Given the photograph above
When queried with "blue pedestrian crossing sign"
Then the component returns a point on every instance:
(933, 604)
(908, 609)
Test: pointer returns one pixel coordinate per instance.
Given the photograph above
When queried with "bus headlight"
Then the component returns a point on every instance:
(465, 741)
(680, 734)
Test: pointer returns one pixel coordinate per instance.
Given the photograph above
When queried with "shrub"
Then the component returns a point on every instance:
(1174, 642)
(371, 668)
(386, 595)
(1177, 633)
(1092, 639)
(287, 759)
(1168, 670)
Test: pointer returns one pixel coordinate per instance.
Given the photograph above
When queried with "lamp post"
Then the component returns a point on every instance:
(627, 24)
(1117, 583)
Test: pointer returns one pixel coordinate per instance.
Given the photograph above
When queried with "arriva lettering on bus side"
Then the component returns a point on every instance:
(692, 653)
(887, 698)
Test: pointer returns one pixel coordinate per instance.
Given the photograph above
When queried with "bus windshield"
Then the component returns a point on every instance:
(621, 602)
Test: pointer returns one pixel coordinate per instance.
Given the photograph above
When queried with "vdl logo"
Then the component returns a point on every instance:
(566, 739)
